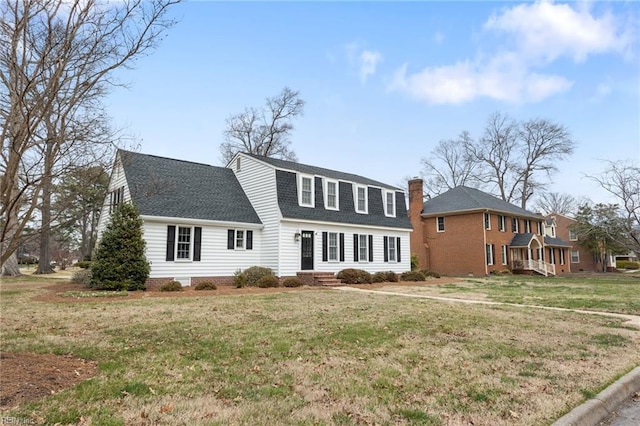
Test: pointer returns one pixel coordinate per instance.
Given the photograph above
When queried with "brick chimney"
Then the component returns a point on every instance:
(416, 205)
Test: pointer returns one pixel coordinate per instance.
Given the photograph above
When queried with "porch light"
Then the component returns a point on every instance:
(296, 236)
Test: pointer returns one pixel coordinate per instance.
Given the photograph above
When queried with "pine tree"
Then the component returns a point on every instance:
(119, 262)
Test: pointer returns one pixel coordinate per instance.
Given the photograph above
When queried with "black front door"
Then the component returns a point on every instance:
(307, 250)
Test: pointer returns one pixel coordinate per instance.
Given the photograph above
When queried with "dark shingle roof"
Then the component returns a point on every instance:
(462, 198)
(557, 242)
(521, 240)
(313, 170)
(288, 201)
(173, 188)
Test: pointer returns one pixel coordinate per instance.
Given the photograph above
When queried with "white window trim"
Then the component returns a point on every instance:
(487, 221)
(571, 256)
(366, 248)
(385, 194)
(301, 177)
(504, 255)
(502, 223)
(366, 199)
(575, 235)
(562, 256)
(326, 194)
(488, 252)
(191, 235)
(391, 241)
(444, 226)
(337, 258)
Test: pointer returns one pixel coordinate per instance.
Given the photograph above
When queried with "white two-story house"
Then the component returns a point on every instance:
(203, 222)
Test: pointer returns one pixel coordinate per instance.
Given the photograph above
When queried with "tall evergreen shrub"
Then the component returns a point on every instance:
(119, 262)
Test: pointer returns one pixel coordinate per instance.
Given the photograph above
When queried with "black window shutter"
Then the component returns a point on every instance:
(171, 242)
(493, 254)
(197, 243)
(370, 248)
(355, 247)
(342, 247)
(231, 235)
(386, 249)
(249, 244)
(398, 249)
(325, 254)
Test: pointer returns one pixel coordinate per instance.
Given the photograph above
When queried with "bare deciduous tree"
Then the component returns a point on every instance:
(449, 166)
(57, 59)
(555, 202)
(622, 180)
(511, 158)
(264, 131)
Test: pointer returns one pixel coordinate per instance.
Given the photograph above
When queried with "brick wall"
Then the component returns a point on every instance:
(587, 262)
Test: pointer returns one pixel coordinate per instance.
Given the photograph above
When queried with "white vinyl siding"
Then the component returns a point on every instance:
(290, 262)
(117, 180)
(216, 260)
(259, 183)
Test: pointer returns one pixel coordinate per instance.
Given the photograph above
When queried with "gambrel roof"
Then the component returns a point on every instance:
(464, 199)
(320, 171)
(181, 189)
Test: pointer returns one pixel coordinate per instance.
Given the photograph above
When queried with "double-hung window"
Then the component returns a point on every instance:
(505, 257)
(183, 248)
(183, 243)
(515, 225)
(502, 225)
(305, 190)
(489, 254)
(332, 247)
(362, 248)
(440, 223)
(239, 239)
(391, 249)
(527, 226)
(575, 256)
(487, 221)
(361, 199)
(331, 195)
(390, 203)
(573, 236)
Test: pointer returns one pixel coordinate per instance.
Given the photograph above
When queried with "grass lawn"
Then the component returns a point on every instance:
(321, 357)
(619, 293)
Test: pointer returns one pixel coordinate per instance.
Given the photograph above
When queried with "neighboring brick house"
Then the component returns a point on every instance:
(580, 258)
(465, 231)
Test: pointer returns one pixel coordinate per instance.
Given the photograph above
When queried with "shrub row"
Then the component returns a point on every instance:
(171, 286)
(359, 276)
(627, 264)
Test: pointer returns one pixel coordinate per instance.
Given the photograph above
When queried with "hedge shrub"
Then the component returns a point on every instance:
(205, 285)
(84, 264)
(354, 276)
(82, 277)
(268, 281)
(626, 264)
(412, 276)
(171, 286)
(432, 274)
(292, 282)
(385, 277)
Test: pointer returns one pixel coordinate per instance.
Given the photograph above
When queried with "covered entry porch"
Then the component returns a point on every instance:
(527, 255)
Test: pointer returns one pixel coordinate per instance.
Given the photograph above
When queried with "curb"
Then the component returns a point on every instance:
(597, 409)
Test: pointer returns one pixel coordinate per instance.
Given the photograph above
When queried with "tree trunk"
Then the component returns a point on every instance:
(10, 267)
(44, 265)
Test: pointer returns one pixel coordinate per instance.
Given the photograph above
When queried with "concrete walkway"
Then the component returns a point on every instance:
(618, 405)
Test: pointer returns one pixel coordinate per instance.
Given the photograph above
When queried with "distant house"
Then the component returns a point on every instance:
(467, 231)
(203, 222)
(580, 258)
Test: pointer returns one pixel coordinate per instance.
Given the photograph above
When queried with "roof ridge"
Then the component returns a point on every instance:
(169, 158)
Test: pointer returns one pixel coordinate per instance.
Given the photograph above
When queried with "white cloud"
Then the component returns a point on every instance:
(535, 35)
(546, 31)
(368, 62)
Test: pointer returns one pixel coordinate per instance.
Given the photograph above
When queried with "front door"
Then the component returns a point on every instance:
(307, 250)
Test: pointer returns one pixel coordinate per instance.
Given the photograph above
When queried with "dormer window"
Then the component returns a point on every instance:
(390, 203)
(305, 191)
(331, 195)
(361, 199)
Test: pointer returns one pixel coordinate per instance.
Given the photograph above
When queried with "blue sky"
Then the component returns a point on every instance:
(384, 82)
